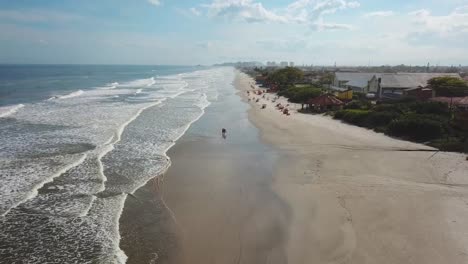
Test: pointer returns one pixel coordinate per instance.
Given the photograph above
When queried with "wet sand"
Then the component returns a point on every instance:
(297, 189)
(215, 203)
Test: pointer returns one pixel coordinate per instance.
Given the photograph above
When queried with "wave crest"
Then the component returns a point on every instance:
(9, 110)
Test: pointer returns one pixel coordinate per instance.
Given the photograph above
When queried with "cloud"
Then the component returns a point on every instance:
(379, 14)
(300, 12)
(155, 2)
(195, 11)
(244, 10)
(320, 26)
(36, 15)
(454, 23)
(331, 6)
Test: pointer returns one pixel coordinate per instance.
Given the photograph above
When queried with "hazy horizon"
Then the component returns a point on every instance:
(162, 32)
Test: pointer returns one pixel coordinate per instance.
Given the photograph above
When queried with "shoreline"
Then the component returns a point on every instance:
(341, 167)
(215, 202)
(151, 185)
(296, 189)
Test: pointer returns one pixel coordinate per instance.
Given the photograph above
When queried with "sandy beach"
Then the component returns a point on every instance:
(297, 189)
(358, 197)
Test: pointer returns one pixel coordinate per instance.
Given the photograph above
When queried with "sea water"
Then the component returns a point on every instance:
(76, 141)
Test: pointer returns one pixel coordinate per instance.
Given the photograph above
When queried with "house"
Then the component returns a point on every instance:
(419, 93)
(393, 85)
(358, 81)
(325, 102)
(261, 80)
(345, 95)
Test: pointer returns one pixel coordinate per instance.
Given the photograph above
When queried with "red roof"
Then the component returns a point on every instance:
(325, 100)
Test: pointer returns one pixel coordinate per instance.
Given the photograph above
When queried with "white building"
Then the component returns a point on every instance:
(284, 64)
(271, 64)
(291, 64)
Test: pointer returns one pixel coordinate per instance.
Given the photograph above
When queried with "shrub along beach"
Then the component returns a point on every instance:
(435, 121)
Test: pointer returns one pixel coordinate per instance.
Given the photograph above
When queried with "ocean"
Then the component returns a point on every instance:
(76, 141)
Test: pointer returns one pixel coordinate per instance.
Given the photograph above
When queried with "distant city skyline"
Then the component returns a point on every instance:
(163, 32)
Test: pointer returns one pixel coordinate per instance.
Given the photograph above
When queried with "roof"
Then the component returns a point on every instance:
(419, 89)
(457, 101)
(401, 80)
(336, 88)
(355, 79)
(325, 100)
(410, 80)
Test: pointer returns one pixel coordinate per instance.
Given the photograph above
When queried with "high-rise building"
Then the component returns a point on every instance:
(271, 64)
(291, 64)
(284, 64)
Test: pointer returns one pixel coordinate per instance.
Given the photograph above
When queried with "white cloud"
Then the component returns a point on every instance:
(454, 23)
(245, 10)
(320, 26)
(155, 2)
(379, 14)
(195, 11)
(331, 6)
(301, 11)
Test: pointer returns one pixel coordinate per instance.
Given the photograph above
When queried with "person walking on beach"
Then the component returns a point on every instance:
(223, 133)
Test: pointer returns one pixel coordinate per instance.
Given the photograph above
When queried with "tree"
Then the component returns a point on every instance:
(327, 78)
(301, 95)
(449, 86)
(286, 77)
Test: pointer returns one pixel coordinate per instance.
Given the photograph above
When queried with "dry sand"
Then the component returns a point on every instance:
(356, 198)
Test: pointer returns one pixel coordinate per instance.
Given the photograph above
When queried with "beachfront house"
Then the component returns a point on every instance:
(357, 81)
(394, 85)
(420, 93)
(325, 102)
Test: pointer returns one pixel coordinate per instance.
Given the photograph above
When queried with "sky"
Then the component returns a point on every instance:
(191, 32)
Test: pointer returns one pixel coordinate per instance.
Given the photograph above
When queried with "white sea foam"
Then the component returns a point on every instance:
(129, 134)
(203, 102)
(71, 95)
(9, 110)
(109, 86)
(139, 83)
(34, 191)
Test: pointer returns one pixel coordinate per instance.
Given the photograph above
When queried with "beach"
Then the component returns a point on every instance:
(360, 197)
(298, 189)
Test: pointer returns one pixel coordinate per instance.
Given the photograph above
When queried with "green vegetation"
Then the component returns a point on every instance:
(416, 128)
(327, 79)
(285, 77)
(449, 86)
(416, 121)
(286, 81)
(301, 94)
